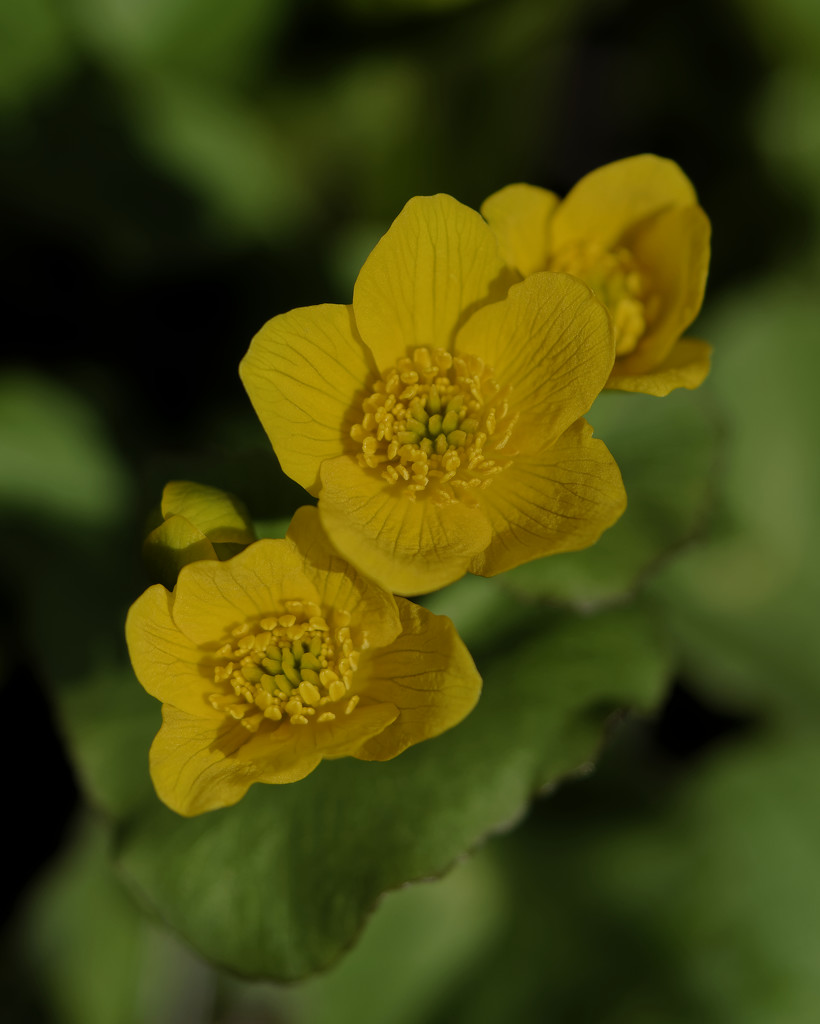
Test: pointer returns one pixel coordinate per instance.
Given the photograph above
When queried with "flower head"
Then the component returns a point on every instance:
(633, 230)
(283, 656)
(438, 418)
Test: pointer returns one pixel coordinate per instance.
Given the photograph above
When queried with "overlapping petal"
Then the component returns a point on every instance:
(551, 341)
(303, 373)
(166, 661)
(686, 366)
(520, 217)
(409, 547)
(559, 499)
(337, 583)
(437, 262)
(612, 200)
(211, 598)
(220, 516)
(674, 247)
(192, 766)
(428, 673)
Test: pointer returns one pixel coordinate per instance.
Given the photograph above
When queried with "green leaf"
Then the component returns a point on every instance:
(665, 450)
(96, 958)
(109, 722)
(698, 904)
(280, 885)
(35, 52)
(743, 604)
(57, 462)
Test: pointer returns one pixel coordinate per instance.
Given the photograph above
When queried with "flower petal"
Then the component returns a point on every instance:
(409, 547)
(373, 610)
(174, 543)
(519, 216)
(192, 766)
(551, 340)
(686, 366)
(303, 373)
(199, 765)
(612, 200)
(211, 598)
(222, 517)
(166, 662)
(673, 248)
(437, 261)
(427, 672)
(561, 499)
(277, 751)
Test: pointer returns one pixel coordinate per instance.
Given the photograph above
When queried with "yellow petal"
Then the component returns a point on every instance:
(222, 517)
(438, 260)
(290, 747)
(303, 372)
(211, 598)
(174, 543)
(561, 499)
(409, 547)
(519, 216)
(686, 366)
(551, 341)
(373, 611)
(166, 662)
(193, 766)
(673, 251)
(427, 673)
(612, 200)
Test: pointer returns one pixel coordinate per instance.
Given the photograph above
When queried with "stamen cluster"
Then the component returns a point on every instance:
(618, 281)
(438, 424)
(290, 666)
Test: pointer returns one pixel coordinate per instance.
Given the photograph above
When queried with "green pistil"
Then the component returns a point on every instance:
(284, 668)
(435, 428)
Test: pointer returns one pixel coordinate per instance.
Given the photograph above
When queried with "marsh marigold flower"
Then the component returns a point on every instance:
(438, 418)
(283, 656)
(633, 230)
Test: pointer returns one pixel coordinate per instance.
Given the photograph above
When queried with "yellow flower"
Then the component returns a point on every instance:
(438, 417)
(282, 656)
(633, 230)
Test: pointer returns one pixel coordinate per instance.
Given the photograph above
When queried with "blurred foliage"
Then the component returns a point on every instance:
(176, 172)
(666, 454)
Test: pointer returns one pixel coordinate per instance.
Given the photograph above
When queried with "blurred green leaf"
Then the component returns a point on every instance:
(225, 150)
(791, 33)
(57, 462)
(280, 885)
(697, 905)
(418, 946)
(393, 8)
(109, 725)
(743, 604)
(96, 957)
(208, 39)
(787, 127)
(665, 448)
(35, 54)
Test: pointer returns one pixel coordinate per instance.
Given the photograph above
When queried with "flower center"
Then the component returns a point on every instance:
(618, 281)
(286, 667)
(438, 424)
